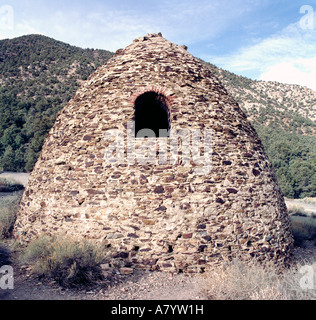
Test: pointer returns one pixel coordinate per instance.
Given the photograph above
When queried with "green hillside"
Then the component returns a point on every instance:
(38, 76)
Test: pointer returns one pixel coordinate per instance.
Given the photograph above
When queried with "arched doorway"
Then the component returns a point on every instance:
(151, 115)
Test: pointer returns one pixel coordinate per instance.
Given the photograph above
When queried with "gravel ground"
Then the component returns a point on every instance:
(140, 286)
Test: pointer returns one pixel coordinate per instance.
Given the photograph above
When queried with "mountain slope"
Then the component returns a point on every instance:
(285, 119)
(272, 102)
(38, 76)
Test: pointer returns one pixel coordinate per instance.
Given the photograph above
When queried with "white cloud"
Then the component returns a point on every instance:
(288, 56)
(302, 72)
(24, 27)
(27, 27)
(114, 27)
(109, 29)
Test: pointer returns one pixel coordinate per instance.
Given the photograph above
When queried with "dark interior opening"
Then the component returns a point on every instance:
(151, 112)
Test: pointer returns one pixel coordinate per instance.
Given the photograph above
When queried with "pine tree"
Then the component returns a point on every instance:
(7, 162)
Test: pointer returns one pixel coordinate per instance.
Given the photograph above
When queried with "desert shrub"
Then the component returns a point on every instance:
(8, 210)
(71, 263)
(304, 228)
(4, 255)
(10, 185)
(7, 219)
(297, 211)
(240, 281)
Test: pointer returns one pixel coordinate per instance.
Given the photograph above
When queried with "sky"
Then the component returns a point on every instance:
(260, 39)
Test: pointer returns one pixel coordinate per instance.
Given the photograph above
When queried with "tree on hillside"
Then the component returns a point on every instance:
(38, 76)
(7, 162)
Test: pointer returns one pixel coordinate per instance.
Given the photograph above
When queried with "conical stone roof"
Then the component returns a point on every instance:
(153, 202)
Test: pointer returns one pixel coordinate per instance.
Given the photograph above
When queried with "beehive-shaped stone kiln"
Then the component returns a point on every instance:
(201, 193)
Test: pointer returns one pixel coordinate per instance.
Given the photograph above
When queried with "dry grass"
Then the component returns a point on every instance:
(71, 263)
(310, 200)
(238, 281)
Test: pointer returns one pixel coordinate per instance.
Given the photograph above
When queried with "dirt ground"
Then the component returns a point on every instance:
(139, 286)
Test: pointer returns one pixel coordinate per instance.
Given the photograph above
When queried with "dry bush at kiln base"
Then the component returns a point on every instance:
(71, 263)
(10, 185)
(8, 210)
(238, 281)
(297, 211)
(7, 219)
(303, 228)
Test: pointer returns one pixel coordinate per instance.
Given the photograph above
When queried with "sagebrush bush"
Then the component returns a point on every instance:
(303, 228)
(8, 210)
(71, 263)
(10, 185)
(7, 219)
(297, 211)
